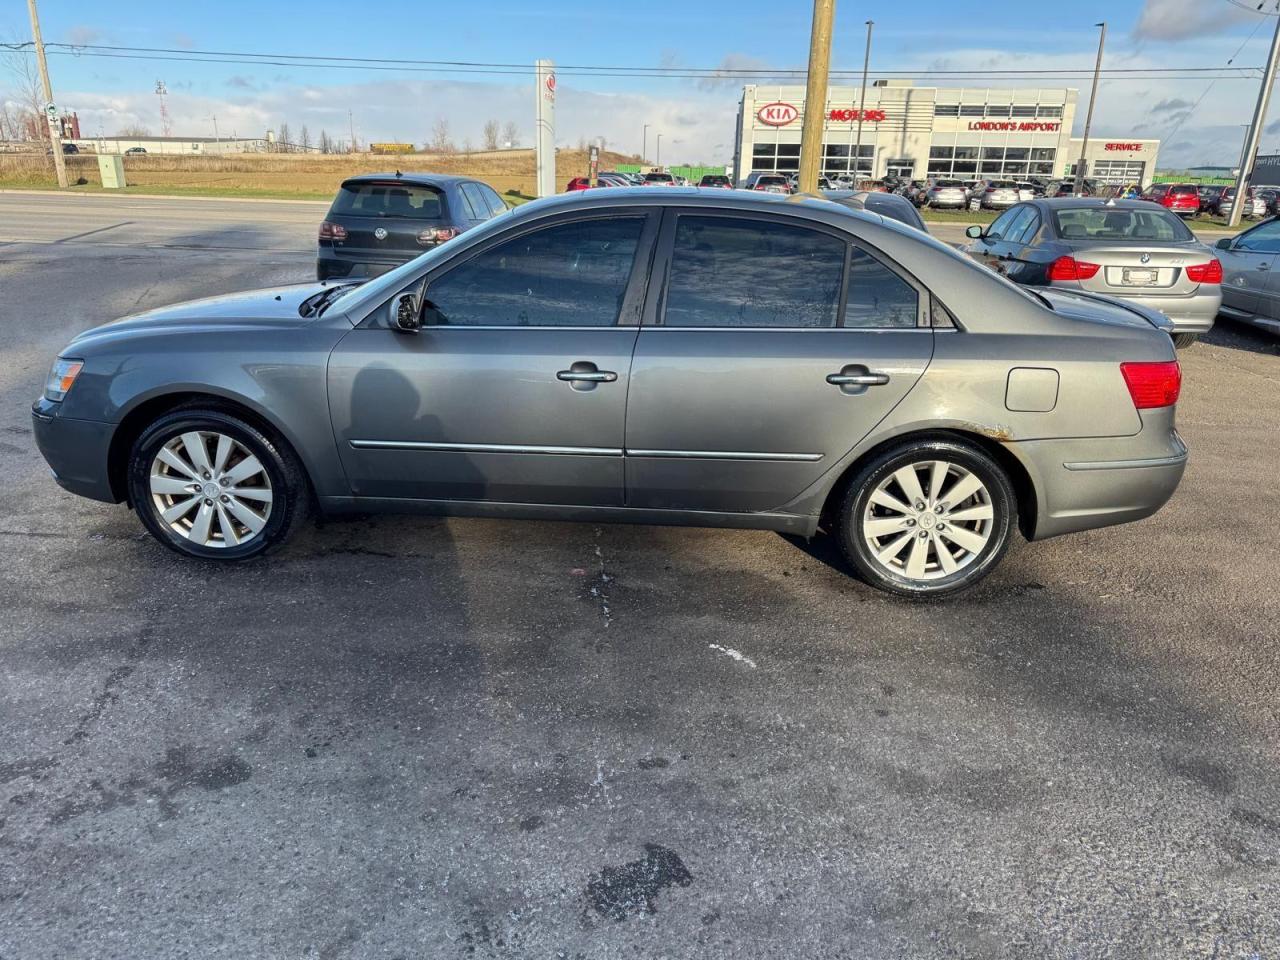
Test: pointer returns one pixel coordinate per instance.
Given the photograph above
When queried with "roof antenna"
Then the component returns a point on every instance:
(399, 174)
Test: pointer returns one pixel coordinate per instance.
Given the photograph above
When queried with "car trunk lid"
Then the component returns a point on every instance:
(1129, 269)
(1097, 308)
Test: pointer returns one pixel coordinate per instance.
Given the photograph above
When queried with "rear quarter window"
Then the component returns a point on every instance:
(405, 200)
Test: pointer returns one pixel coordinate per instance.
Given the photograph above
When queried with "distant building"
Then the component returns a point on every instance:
(185, 146)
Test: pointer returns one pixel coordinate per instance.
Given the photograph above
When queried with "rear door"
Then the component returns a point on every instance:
(515, 388)
(771, 346)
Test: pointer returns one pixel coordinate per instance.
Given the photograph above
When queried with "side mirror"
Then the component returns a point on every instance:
(407, 316)
(1224, 243)
(974, 232)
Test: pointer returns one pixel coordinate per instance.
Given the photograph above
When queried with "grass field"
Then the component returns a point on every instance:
(293, 176)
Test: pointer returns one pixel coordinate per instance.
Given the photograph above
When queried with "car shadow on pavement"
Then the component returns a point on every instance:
(1235, 335)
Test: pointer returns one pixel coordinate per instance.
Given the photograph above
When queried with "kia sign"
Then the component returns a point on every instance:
(849, 116)
(777, 114)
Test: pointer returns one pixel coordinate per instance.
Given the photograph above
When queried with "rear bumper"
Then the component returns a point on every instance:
(76, 451)
(1090, 483)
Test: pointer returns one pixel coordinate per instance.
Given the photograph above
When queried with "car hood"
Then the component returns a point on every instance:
(1098, 308)
(270, 307)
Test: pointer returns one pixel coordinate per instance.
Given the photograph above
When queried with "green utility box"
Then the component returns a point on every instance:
(111, 169)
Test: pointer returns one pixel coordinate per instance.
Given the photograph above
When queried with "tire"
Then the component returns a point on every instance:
(1183, 340)
(252, 513)
(985, 519)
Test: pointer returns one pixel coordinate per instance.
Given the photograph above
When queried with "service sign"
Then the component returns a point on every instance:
(777, 114)
(1125, 147)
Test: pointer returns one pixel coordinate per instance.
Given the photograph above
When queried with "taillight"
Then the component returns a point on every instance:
(1153, 384)
(1069, 268)
(1210, 272)
(332, 231)
(437, 234)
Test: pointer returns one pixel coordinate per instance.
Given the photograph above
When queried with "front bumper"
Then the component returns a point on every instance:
(77, 451)
(1083, 484)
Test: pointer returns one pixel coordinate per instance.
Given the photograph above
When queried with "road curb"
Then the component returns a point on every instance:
(156, 196)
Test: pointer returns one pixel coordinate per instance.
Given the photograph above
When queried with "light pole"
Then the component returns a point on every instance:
(658, 158)
(1088, 119)
(862, 108)
(51, 117)
(644, 142)
(815, 97)
(1255, 130)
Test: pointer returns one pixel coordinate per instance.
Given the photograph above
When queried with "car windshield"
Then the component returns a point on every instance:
(1183, 191)
(664, 177)
(1110, 223)
(388, 199)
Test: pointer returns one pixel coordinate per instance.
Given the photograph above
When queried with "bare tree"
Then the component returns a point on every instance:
(440, 142)
(134, 131)
(304, 139)
(286, 146)
(25, 112)
(511, 134)
(491, 133)
(467, 146)
(325, 142)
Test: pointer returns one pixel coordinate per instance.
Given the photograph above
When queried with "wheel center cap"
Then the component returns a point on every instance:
(211, 490)
(927, 520)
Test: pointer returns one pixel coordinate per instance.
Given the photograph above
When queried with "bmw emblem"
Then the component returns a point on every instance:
(1145, 258)
(381, 234)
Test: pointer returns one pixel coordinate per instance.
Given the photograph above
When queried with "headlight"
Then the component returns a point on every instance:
(61, 377)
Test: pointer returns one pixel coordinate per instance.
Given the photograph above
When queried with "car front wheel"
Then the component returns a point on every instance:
(208, 484)
(927, 519)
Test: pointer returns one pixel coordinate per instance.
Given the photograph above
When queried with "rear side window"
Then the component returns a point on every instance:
(496, 205)
(569, 275)
(388, 200)
(751, 273)
(877, 296)
(1101, 223)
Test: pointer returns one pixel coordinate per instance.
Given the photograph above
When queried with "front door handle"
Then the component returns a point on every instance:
(584, 375)
(858, 379)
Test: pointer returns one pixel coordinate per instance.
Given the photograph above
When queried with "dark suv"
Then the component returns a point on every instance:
(381, 220)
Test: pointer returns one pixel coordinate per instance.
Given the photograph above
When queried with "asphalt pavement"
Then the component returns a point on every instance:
(421, 738)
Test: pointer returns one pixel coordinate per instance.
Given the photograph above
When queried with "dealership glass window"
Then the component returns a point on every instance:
(1016, 153)
(877, 296)
(749, 273)
(1042, 169)
(1023, 111)
(571, 275)
(836, 149)
(993, 153)
(973, 110)
(964, 166)
(788, 149)
(991, 168)
(1049, 112)
(998, 110)
(966, 153)
(1043, 153)
(1016, 170)
(941, 153)
(1118, 171)
(788, 163)
(946, 109)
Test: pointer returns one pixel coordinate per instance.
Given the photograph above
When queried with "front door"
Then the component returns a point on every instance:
(1247, 268)
(515, 388)
(779, 346)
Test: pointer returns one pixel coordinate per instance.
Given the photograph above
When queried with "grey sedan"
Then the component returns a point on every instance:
(1127, 249)
(674, 356)
(1251, 276)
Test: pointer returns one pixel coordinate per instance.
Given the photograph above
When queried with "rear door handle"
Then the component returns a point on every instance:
(584, 375)
(858, 379)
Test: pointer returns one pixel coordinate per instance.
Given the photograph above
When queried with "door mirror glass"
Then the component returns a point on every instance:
(974, 232)
(406, 313)
(1224, 243)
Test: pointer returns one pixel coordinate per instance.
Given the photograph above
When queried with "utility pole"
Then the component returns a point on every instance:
(1088, 118)
(163, 92)
(815, 97)
(351, 121)
(1255, 130)
(862, 109)
(644, 142)
(658, 159)
(51, 111)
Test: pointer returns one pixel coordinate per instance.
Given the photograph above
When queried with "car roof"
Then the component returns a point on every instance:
(413, 179)
(1075, 203)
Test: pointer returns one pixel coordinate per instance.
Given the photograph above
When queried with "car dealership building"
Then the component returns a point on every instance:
(919, 132)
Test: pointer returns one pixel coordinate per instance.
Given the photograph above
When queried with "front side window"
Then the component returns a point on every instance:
(569, 275)
(1261, 239)
(1002, 223)
(727, 272)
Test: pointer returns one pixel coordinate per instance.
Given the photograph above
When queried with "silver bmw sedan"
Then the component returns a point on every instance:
(1129, 249)
(681, 356)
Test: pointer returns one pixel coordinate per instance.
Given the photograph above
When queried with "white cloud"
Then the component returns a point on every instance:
(1180, 19)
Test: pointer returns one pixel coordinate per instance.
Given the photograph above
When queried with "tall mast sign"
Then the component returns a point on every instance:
(545, 127)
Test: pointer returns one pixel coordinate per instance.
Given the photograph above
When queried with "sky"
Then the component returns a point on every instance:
(1199, 122)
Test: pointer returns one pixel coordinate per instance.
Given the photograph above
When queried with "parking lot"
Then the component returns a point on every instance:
(421, 738)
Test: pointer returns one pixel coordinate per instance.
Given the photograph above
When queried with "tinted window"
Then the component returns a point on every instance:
(1002, 223)
(496, 205)
(572, 275)
(1013, 230)
(1102, 223)
(749, 273)
(1261, 239)
(388, 200)
(877, 296)
(1027, 229)
(467, 210)
(479, 203)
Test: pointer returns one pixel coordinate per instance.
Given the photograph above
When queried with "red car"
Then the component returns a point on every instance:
(1180, 198)
(578, 183)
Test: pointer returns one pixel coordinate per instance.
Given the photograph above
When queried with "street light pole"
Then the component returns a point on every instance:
(658, 158)
(644, 142)
(51, 115)
(862, 108)
(1088, 119)
(815, 97)
(1255, 130)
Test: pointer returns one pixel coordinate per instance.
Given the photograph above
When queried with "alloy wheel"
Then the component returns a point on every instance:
(928, 520)
(210, 489)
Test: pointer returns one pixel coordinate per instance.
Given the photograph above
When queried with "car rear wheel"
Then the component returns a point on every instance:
(208, 484)
(1183, 340)
(928, 519)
